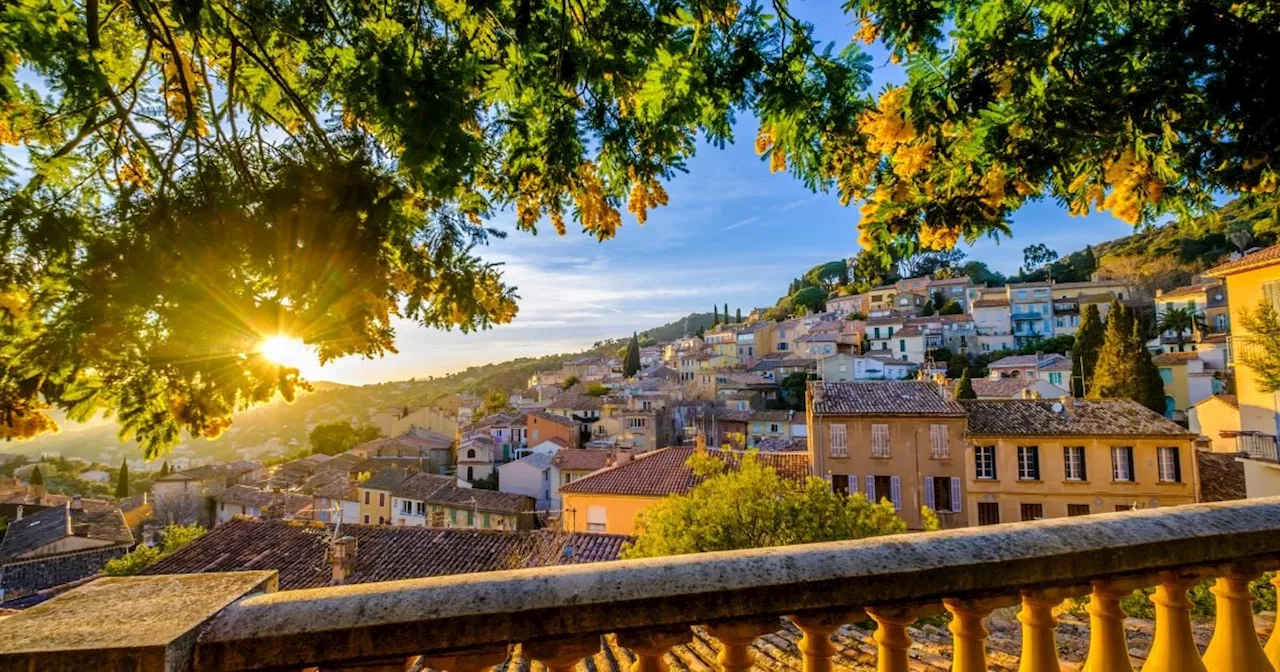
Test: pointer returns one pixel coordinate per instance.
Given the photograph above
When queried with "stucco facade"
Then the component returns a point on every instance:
(612, 514)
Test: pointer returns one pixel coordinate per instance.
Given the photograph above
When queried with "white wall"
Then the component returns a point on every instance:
(522, 478)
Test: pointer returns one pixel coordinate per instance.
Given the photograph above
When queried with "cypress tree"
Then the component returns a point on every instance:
(1150, 385)
(738, 317)
(164, 469)
(715, 315)
(726, 313)
(36, 477)
(1085, 350)
(964, 388)
(122, 482)
(631, 364)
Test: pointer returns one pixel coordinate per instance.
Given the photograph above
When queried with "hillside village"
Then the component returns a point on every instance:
(864, 393)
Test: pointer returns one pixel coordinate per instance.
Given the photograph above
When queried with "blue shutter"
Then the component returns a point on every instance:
(928, 492)
(871, 488)
(955, 495)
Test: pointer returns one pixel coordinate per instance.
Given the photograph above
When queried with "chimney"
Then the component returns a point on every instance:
(342, 559)
(19, 513)
(76, 503)
(1039, 356)
(1068, 405)
(622, 457)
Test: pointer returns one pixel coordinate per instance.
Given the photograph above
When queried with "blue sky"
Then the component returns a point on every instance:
(733, 232)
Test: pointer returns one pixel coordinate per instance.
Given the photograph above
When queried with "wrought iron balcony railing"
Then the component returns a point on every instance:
(1257, 446)
(466, 623)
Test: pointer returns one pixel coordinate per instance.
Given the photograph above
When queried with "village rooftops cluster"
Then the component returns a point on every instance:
(882, 398)
(1069, 417)
(667, 472)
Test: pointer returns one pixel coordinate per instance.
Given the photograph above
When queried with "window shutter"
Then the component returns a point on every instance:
(1084, 468)
(1177, 465)
(929, 501)
(955, 495)
(1129, 457)
(871, 488)
(895, 484)
(1035, 461)
(994, 473)
(853, 483)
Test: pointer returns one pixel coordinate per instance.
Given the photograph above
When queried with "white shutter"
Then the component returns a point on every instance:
(938, 441)
(896, 486)
(871, 488)
(928, 491)
(955, 495)
(880, 440)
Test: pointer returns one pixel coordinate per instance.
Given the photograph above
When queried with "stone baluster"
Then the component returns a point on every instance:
(651, 646)
(1039, 645)
(892, 640)
(816, 646)
(563, 655)
(1174, 647)
(1235, 646)
(1273, 644)
(467, 661)
(1108, 648)
(969, 635)
(736, 639)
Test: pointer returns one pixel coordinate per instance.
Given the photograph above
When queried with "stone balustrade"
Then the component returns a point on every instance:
(465, 623)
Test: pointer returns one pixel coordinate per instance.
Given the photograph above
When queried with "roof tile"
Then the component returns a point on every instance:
(880, 398)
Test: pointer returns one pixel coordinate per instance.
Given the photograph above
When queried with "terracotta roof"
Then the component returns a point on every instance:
(1265, 257)
(1001, 388)
(581, 459)
(1221, 477)
(885, 397)
(297, 551)
(775, 444)
(552, 417)
(1046, 362)
(387, 479)
(1174, 358)
(422, 486)
(990, 303)
(1189, 289)
(666, 472)
(481, 500)
(909, 331)
(1081, 417)
(60, 522)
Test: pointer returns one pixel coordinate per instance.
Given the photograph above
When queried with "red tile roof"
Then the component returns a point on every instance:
(666, 472)
(1175, 358)
(1266, 257)
(883, 398)
(1080, 417)
(581, 459)
(297, 551)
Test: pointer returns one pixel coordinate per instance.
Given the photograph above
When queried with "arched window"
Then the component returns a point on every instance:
(471, 453)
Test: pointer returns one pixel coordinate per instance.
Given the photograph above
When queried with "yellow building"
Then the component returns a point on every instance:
(894, 440)
(610, 499)
(374, 495)
(1217, 420)
(1188, 379)
(1038, 458)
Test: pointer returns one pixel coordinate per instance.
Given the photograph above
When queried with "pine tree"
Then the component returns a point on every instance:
(36, 477)
(631, 364)
(1085, 350)
(1116, 374)
(1149, 384)
(122, 482)
(738, 316)
(964, 388)
(715, 315)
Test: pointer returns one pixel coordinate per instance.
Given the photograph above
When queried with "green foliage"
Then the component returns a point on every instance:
(737, 315)
(164, 469)
(597, 389)
(489, 482)
(1088, 341)
(332, 438)
(826, 276)
(495, 401)
(198, 175)
(715, 315)
(569, 382)
(980, 274)
(951, 307)
(1150, 383)
(1181, 321)
(752, 506)
(173, 539)
(1203, 603)
(1035, 257)
(1124, 369)
(927, 310)
(36, 477)
(964, 387)
(631, 362)
(809, 299)
(793, 388)
(122, 481)
(1261, 353)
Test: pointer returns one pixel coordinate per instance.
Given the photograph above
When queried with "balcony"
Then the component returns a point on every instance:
(467, 623)
(1256, 446)
(1027, 316)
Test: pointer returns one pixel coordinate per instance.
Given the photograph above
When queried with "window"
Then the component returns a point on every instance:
(902, 345)
(942, 493)
(366, 519)
(1028, 463)
(382, 499)
(420, 508)
(877, 333)
(840, 484)
(773, 427)
(366, 499)
(1124, 507)
(471, 518)
(1073, 463)
(839, 438)
(406, 507)
(890, 332)
(984, 458)
(939, 447)
(1032, 511)
(1055, 377)
(1170, 467)
(1122, 463)
(988, 513)
(1078, 510)
(1271, 292)
(596, 519)
(471, 453)
(637, 423)
(471, 473)
(484, 520)
(879, 440)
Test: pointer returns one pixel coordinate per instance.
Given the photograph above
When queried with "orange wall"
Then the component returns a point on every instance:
(620, 511)
(547, 429)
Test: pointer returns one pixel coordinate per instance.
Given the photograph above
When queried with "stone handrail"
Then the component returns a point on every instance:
(466, 622)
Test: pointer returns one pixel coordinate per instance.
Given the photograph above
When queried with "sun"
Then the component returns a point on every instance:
(289, 351)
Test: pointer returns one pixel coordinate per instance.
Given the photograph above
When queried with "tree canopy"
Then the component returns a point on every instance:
(752, 506)
(331, 438)
(631, 361)
(122, 480)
